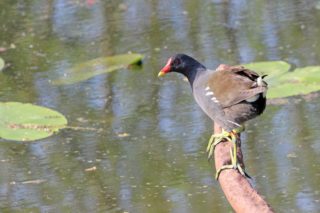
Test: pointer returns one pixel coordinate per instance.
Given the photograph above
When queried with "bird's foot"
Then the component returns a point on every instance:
(230, 166)
(215, 139)
(234, 160)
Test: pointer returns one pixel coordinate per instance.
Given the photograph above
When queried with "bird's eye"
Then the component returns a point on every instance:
(176, 62)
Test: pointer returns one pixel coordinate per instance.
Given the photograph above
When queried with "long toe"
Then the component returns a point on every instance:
(224, 167)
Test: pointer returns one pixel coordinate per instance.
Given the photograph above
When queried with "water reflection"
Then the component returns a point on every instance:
(149, 138)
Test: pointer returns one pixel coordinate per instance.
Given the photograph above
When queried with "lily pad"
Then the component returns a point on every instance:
(284, 83)
(27, 122)
(2, 64)
(271, 68)
(301, 81)
(89, 69)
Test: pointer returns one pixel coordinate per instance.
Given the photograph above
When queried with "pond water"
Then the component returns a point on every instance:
(145, 151)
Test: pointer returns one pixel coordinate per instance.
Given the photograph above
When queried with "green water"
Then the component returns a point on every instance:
(149, 136)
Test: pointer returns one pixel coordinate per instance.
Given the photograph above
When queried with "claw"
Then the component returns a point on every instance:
(242, 171)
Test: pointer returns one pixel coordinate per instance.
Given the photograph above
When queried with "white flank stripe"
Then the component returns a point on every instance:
(209, 93)
(215, 99)
(207, 88)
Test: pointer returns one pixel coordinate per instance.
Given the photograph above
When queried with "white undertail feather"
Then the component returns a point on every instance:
(253, 99)
(259, 81)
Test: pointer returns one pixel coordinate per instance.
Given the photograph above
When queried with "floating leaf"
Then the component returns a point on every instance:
(2, 64)
(97, 66)
(27, 122)
(270, 68)
(284, 83)
(301, 81)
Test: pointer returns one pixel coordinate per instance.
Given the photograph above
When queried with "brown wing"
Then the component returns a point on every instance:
(234, 85)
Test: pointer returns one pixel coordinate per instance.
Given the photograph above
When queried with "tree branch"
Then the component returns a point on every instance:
(237, 189)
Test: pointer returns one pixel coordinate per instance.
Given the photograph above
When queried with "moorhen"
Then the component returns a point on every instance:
(229, 95)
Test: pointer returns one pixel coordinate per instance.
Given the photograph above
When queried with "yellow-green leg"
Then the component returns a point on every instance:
(215, 139)
(234, 160)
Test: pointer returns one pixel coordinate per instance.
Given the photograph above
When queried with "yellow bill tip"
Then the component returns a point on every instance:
(161, 73)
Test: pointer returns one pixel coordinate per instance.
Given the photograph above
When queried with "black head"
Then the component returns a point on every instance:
(181, 63)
